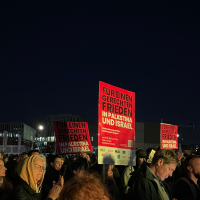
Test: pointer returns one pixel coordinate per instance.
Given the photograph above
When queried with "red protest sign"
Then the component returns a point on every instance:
(72, 137)
(116, 133)
(168, 136)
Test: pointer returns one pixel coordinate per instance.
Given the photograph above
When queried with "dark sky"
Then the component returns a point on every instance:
(54, 53)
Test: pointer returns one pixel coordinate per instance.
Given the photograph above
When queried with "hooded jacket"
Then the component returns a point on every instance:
(29, 188)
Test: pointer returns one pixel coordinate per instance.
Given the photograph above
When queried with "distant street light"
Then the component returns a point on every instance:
(177, 135)
(41, 127)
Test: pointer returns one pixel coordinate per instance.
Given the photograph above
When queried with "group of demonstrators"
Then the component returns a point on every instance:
(164, 176)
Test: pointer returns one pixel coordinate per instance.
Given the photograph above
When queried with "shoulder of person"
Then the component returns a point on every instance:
(183, 181)
(19, 190)
(20, 193)
(185, 189)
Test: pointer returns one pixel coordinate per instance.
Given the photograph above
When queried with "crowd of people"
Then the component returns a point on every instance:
(164, 176)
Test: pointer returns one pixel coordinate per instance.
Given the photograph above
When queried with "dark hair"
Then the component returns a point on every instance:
(83, 160)
(49, 158)
(32, 151)
(187, 162)
(52, 159)
(94, 159)
(186, 155)
(63, 157)
(77, 165)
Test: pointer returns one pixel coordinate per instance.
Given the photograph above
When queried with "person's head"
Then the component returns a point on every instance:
(33, 152)
(50, 158)
(15, 157)
(93, 160)
(2, 169)
(39, 168)
(22, 156)
(78, 168)
(88, 186)
(73, 158)
(62, 159)
(84, 155)
(56, 162)
(4, 184)
(185, 155)
(32, 170)
(5, 158)
(192, 165)
(141, 156)
(88, 157)
(164, 163)
(108, 170)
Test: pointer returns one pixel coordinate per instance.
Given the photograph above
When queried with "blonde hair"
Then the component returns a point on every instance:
(25, 170)
(168, 156)
(43, 158)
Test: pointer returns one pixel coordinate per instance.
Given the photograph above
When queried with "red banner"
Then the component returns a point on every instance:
(72, 137)
(116, 121)
(168, 136)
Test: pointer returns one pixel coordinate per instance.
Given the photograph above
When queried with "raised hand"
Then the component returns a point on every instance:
(56, 189)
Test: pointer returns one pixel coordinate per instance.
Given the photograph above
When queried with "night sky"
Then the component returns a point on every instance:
(54, 53)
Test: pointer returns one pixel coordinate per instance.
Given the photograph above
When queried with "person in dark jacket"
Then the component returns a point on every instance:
(187, 188)
(11, 166)
(176, 175)
(149, 182)
(5, 186)
(52, 174)
(110, 183)
(31, 171)
(129, 171)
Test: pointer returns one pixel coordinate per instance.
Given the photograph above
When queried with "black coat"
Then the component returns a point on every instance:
(24, 192)
(5, 194)
(186, 189)
(10, 173)
(143, 186)
(50, 176)
(177, 174)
